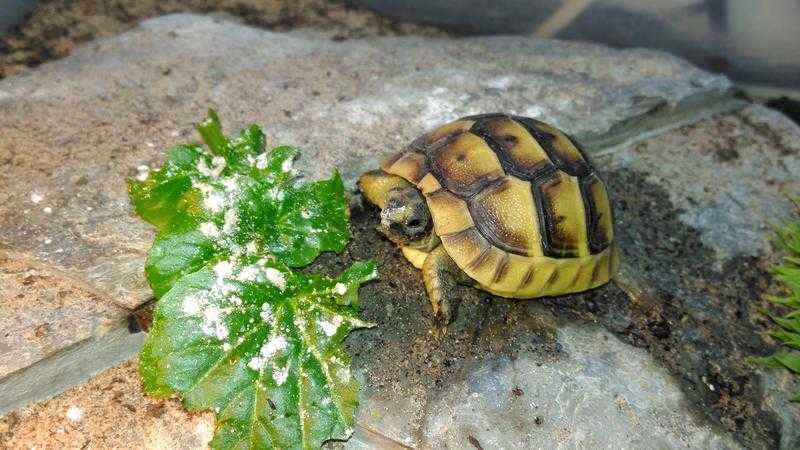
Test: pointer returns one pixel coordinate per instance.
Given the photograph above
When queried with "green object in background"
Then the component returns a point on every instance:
(235, 329)
(788, 272)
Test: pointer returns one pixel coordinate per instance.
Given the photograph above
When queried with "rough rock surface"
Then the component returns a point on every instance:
(55, 332)
(81, 125)
(693, 207)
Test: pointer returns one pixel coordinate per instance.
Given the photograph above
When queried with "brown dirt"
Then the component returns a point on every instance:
(401, 354)
(55, 27)
(110, 411)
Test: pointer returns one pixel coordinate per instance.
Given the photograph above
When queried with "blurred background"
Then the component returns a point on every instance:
(750, 40)
(753, 42)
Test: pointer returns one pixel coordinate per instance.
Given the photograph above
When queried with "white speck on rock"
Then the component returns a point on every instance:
(204, 431)
(144, 172)
(500, 82)
(533, 111)
(150, 144)
(340, 288)
(74, 414)
(47, 210)
(275, 277)
(36, 198)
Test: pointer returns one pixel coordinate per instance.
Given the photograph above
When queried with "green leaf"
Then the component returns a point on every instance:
(787, 360)
(235, 329)
(787, 338)
(248, 201)
(788, 272)
(261, 346)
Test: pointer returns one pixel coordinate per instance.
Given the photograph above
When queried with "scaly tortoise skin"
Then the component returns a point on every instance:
(515, 203)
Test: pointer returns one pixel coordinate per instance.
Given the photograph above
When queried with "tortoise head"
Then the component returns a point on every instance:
(405, 218)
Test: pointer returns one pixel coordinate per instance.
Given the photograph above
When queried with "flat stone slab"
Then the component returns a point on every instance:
(730, 178)
(660, 355)
(81, 125)
(603, 394)
(55, 334)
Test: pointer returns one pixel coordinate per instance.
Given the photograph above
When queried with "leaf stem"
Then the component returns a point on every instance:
(211, 132)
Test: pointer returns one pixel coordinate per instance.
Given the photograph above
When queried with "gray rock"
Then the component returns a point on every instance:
(690, 291)
(731, 178)
(600, 394)
(81, 125)
(74, 129)
(696, 209)
(56, 334)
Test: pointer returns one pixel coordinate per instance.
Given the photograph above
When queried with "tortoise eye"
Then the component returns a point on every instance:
(413, 223)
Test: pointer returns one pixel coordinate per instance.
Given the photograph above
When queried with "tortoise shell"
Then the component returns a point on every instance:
(516, 204)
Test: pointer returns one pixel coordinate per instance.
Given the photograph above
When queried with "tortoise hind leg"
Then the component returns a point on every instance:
(442, 277)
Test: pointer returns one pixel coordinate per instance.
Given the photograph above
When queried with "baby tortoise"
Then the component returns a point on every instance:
(508, 204)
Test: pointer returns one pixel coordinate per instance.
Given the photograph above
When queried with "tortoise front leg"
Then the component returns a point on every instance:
(442, 276)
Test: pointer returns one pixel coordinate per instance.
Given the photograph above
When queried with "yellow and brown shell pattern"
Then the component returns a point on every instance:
(516, 204)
